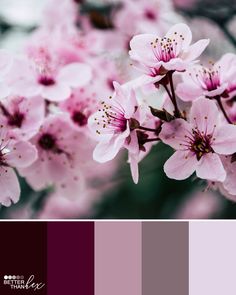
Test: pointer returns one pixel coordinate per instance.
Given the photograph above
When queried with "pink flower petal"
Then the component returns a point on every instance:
(179, 32)
(25, 87)
(225, 140)
(143, 80)
(175, 64)
(57, 92)
(4, 90)
(22, 154)
(227, 66)
(195, 50)
(36, 175)
(175, 132)
(56, 167)
(180, 165)
(204, 115)
(6, 61)
(107, 150)
(141, 48)
(75, 74)
(188, 92)
(10, 188)
(134, 167)
(133, 145)
(210, 167)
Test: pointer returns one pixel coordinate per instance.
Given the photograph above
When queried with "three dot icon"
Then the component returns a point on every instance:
(13, 277)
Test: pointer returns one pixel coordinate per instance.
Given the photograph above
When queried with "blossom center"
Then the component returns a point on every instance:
(149, 14)
(46, 80)
(47, 142)
(207, 78)
(200, 143)
(112, 119)
(165, 48)
(15, 119)
(79, 118)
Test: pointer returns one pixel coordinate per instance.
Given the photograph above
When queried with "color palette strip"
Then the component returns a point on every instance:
(113, 258)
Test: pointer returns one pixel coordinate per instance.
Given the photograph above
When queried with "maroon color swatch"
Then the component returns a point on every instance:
(70, 258)
(23, 250)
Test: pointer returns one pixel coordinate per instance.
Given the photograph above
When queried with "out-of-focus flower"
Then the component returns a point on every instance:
(153, 16)
(14, 153)
(43, 77)
(199, 144)
(200, 205)
(80, 105)
(114, 127)
(218, 80)
(22, 115)
(57, 144)
(156, 56)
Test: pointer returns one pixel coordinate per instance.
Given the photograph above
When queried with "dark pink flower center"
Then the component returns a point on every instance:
(165, 48)
(46, 81)
(16, 119)
(112, 119)
(208, 79)
(199, 143)
(149, 14)
(47, 142)
(79, 118)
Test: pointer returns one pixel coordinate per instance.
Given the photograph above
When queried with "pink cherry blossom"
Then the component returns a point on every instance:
(43, 77)
(200, 205)
(147, 17)
(14, 153)
(57, 144)
(219, 79)
(22, 115)
(156, 56)
(199, 143)
(111, 124)
(80, 105)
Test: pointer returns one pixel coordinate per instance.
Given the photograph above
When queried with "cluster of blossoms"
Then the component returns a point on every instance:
(66, 106)
(201, 131)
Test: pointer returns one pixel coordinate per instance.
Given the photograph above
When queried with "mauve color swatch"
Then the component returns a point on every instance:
(23, 249)
(165, 258)
(70, 258)
(212, 249)
(118, 258)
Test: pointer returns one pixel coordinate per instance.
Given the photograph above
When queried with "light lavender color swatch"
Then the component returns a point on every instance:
(165, 258)
(118, 258)
(212, 264)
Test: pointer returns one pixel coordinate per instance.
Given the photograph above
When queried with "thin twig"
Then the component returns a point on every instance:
(218, 99)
